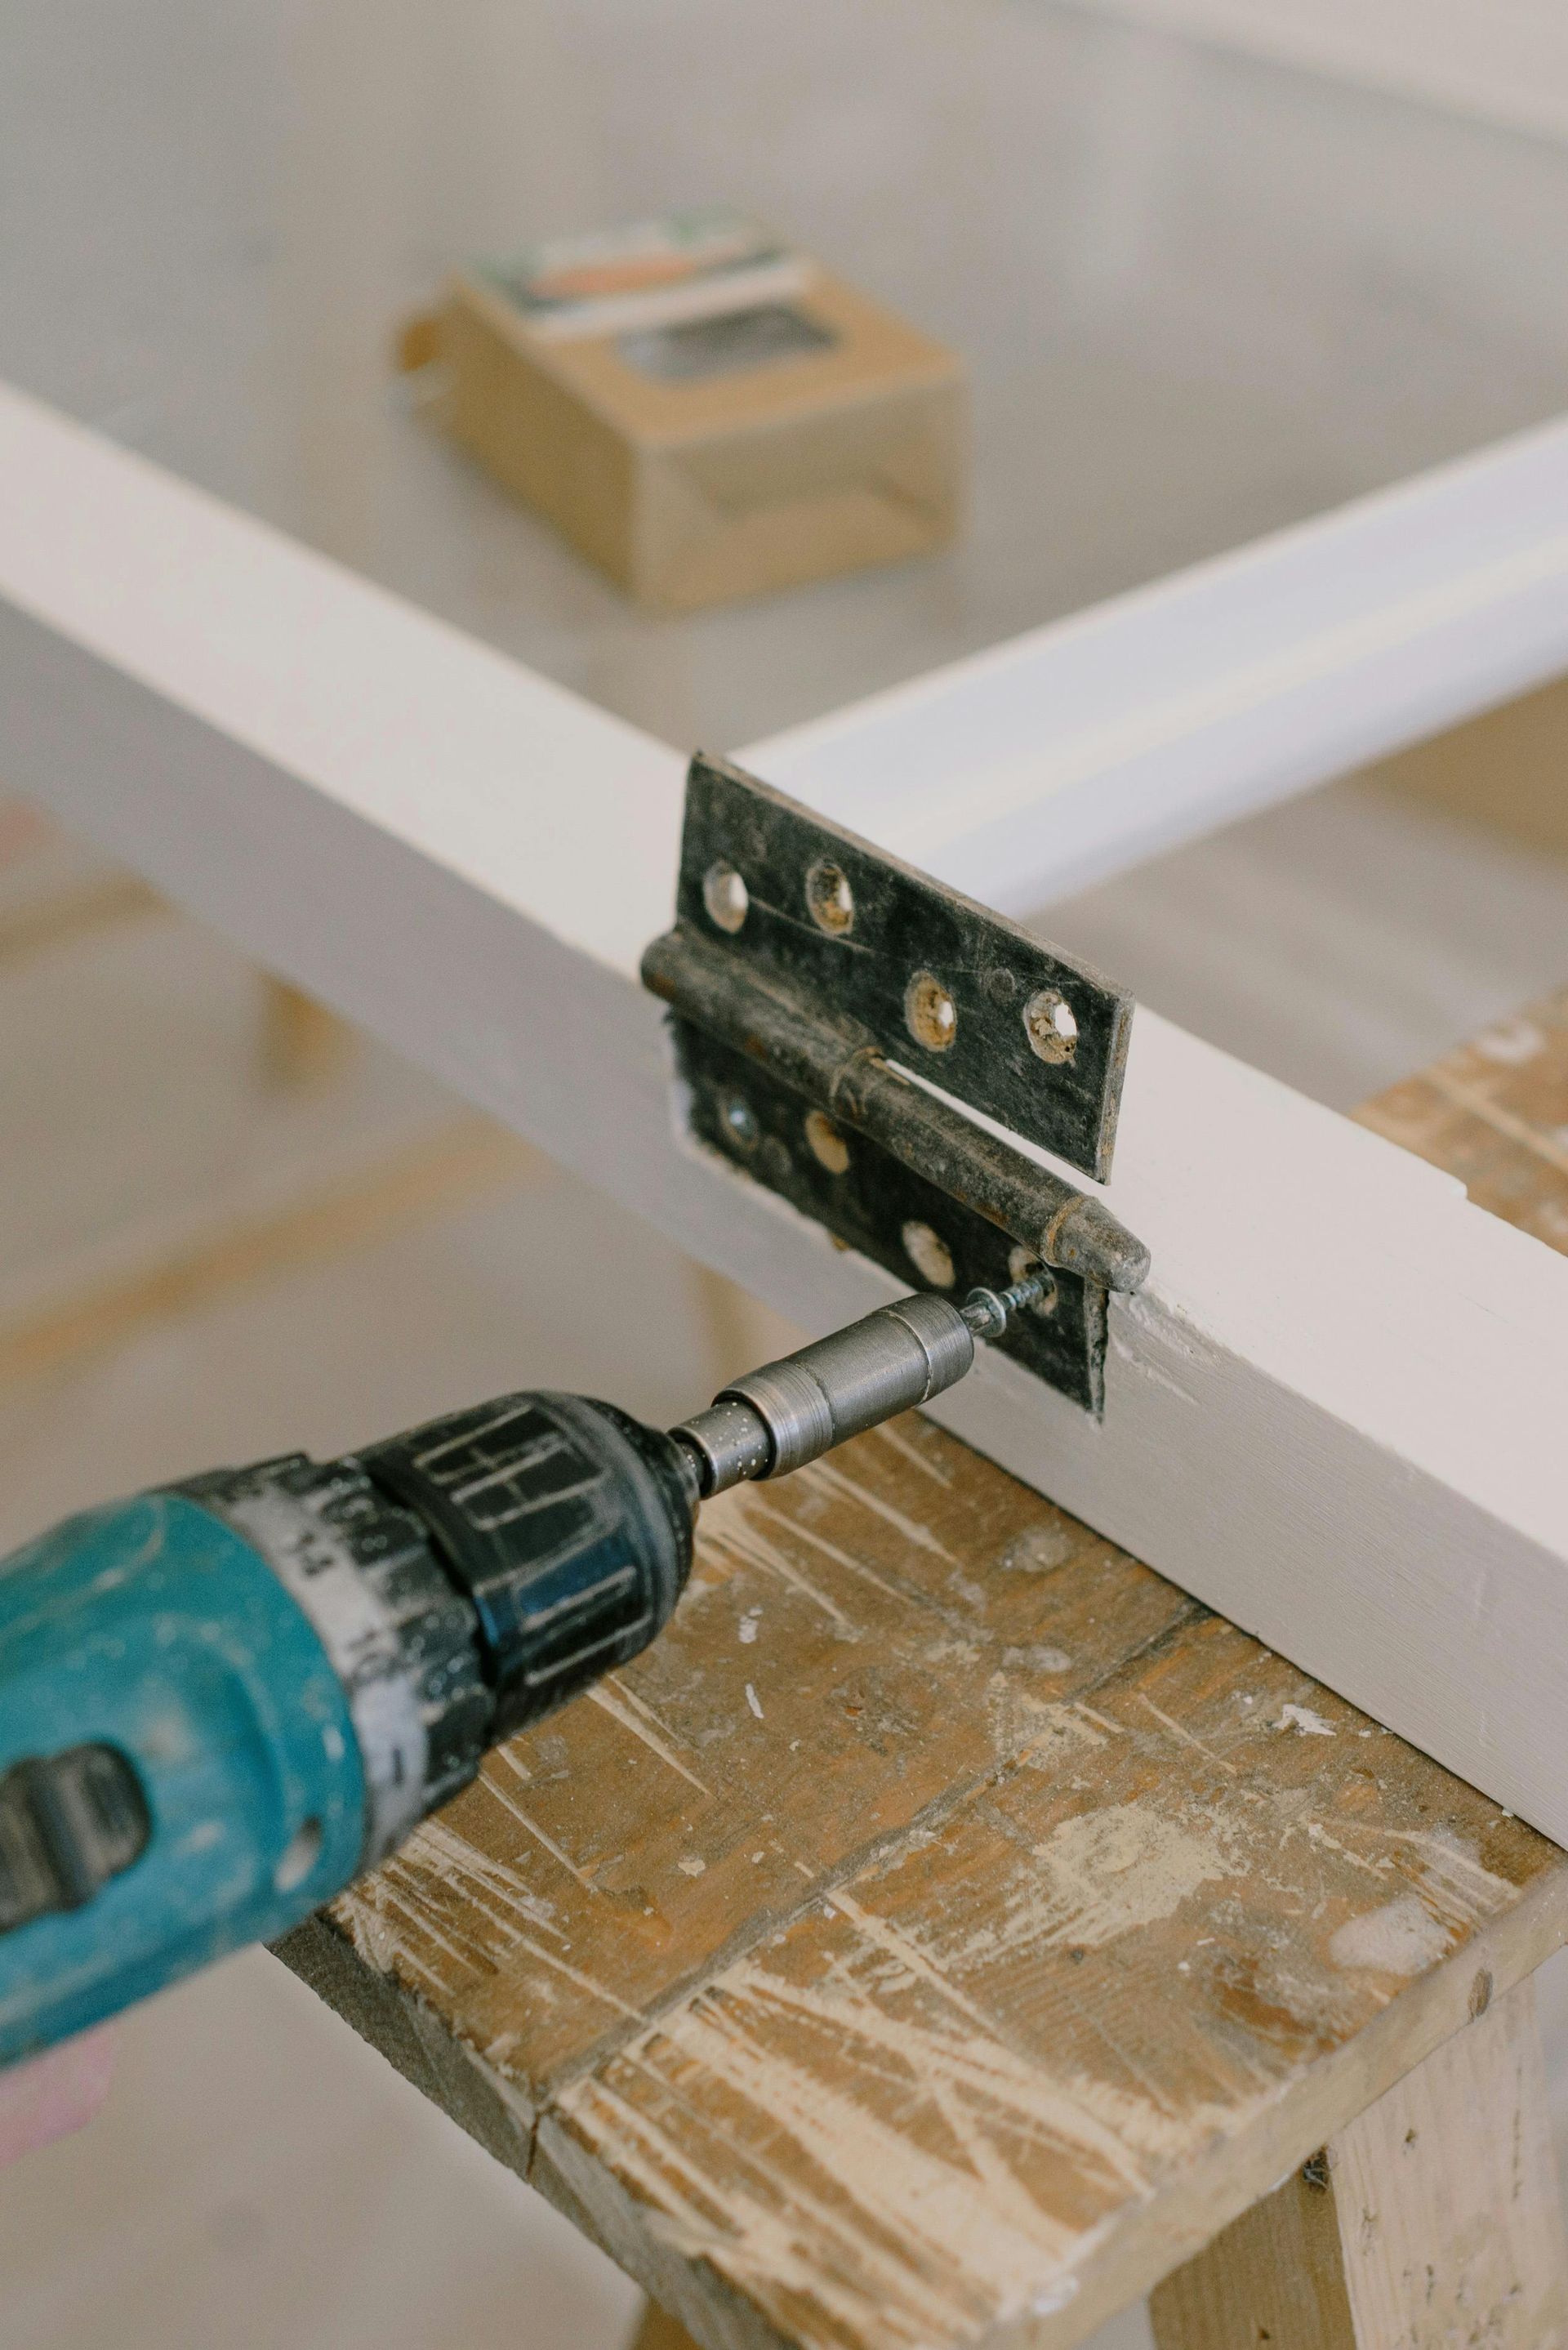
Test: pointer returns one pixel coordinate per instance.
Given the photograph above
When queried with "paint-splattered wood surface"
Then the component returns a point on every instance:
(949, 1926)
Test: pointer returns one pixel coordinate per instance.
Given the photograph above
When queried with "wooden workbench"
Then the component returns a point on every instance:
(949, 1926)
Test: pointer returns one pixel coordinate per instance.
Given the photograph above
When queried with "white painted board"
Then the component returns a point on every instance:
(1337, 1412)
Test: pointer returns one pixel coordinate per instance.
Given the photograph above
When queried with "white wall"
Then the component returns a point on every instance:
(1504, 61)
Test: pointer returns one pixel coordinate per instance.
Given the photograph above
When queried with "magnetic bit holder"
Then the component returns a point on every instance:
(834, 1010)
(785, 1414)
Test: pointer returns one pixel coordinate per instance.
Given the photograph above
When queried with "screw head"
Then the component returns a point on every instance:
(930, 1015)
(928, 1253)
(826, 1145)
(1050, 1025)
(726, 897)
(830, 901)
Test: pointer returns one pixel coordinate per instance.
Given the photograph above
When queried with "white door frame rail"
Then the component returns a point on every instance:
(1338, 1410)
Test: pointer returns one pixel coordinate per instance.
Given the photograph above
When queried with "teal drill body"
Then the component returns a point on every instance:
(165, 1641)
(220, 1703)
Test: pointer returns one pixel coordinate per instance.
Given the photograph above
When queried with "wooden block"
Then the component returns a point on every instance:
(1431, 2219)
(942, 1931)
(697, 471)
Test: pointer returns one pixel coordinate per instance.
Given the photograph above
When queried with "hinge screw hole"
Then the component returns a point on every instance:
(830, 900)
(1050, 1026)
(1022, 1265)
(726, 897)
(740, 1120)
(826, 1145)
(774, 1162)
(930, 1013)
(928, 1253)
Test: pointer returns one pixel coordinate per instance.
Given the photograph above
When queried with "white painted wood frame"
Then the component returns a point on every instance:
(1338, 1411)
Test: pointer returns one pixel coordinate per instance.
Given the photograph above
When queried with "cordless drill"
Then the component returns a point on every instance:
(223, 1700)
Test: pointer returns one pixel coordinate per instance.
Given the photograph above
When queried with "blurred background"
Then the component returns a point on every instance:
(1211, 268)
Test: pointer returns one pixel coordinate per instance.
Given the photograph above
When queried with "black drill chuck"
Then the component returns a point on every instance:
(469, 1575)
(566, 1523)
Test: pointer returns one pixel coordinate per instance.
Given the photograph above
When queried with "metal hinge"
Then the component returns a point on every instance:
(820, 990)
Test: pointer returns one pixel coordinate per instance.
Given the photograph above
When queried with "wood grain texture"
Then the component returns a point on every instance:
(1432, 2218)
(944, 1929)
(1495, 1113)
(1273, 2277)
(1446, 2191)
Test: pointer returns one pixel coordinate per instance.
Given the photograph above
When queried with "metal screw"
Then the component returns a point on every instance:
(930, 1015)
(928, 1253)
(989, 1312)
(1050, 1025)
(740, 1123)
(726, 897)
(830, 899)
(826, 1145)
